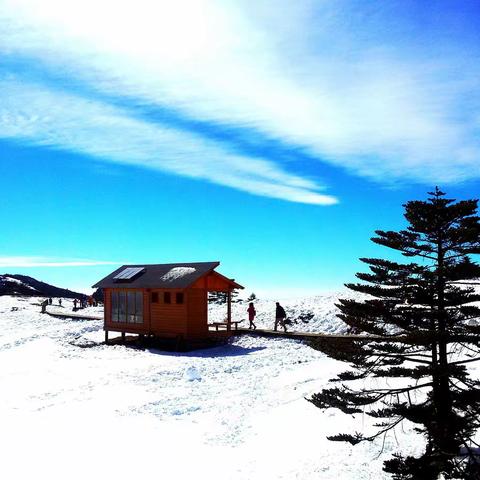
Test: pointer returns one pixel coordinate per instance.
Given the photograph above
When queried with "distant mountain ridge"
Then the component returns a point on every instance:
(22, 285)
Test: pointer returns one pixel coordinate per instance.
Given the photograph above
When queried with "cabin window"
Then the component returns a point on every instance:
(179, 297)
(114, 306)
(167, 297)
(131, 307)
(138, 307)
(127, 307)
(154, 297)
(122, 306)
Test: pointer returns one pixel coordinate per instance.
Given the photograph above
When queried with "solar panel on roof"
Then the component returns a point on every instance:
(128, 273)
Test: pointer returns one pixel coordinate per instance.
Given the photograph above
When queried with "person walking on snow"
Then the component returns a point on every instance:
(251, 315)
(44, 305)
(280, 316)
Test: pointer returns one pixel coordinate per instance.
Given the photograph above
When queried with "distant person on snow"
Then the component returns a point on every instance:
(280, 317)
(50, 301)
(60, 301)
(74, 304)
(251, 315)
(44, 306)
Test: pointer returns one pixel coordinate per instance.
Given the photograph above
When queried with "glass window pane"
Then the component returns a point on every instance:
(139, 307)
(115, 306)
(131, 307)
(122, 307)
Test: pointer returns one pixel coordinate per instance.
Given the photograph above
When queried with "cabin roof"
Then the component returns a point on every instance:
(161, 275)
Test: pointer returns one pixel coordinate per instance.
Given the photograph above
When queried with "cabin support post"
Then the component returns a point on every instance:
(106, 337)
(229, 310)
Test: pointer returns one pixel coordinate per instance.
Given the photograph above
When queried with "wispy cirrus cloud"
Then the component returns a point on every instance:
(28, 262)
(56, 119)
(369, 89)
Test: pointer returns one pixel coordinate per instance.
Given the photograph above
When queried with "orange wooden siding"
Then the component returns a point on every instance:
(168, 317)
(197, 311)
(213, 282)
(107, 305)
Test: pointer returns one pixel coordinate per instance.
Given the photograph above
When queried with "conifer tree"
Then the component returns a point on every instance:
(217, 297)
(222, 297)
(424, 308)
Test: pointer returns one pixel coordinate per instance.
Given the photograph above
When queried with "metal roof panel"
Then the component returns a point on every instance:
(165, 275)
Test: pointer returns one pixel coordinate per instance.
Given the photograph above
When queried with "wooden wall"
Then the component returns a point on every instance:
(197, 312)
(107, 305)
(168, 317)
(213, 282)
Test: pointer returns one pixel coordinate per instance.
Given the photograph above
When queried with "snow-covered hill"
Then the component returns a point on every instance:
(14, 284)
(308, 314)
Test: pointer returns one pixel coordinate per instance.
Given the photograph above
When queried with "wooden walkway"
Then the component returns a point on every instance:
(263, 332)
(312, 336)
(75, 316)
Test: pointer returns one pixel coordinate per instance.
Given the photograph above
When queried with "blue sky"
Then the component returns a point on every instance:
(272, 136)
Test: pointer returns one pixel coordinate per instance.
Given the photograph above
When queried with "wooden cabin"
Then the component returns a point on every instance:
(165, 300)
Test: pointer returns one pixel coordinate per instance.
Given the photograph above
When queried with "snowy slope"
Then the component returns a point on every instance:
(320, 308)
(233, 412)
(15, 284)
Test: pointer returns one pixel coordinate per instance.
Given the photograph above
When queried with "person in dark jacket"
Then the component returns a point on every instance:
(44, 305)
(251, 315)
(280, 316)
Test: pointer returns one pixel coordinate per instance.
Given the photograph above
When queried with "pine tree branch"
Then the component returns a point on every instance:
(404, 356)
(383, 392)
(385, 430)
(476, 351)
(462, 362)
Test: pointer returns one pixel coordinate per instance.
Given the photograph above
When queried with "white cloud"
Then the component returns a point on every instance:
(26, 262)
(313, 81)
(54, 119)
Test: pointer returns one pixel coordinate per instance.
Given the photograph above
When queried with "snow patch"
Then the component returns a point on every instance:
(176, 273)
(16, 281)
(192, 374)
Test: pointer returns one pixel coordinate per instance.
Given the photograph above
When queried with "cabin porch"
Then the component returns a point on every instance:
(226, 324)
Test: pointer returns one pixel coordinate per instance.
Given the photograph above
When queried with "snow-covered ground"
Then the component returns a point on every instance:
(308, 314)
(232, 412)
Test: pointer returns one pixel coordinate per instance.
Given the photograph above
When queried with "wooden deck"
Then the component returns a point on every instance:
(312, 336)
(74, 315)
(260, 332)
